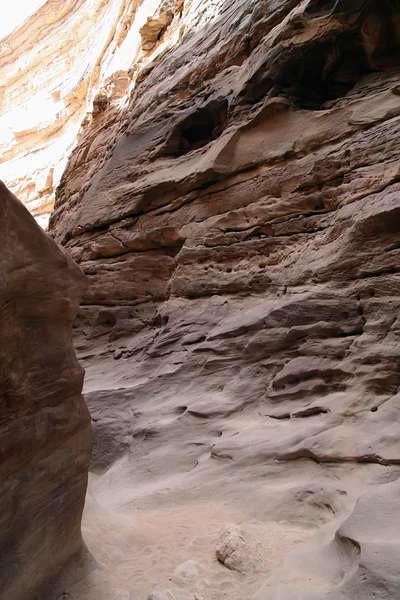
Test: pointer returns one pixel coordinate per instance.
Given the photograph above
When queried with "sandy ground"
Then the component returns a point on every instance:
(172, 466)
(142, 551)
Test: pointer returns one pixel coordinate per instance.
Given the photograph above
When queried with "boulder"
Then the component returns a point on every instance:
(237, 550)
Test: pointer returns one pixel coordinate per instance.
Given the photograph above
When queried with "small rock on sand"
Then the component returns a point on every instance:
(172, 594)
(238, 551)
(189, 569)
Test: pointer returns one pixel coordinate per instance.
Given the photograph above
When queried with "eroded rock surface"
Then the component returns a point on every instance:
(53, 70)
(45, 434)
(240, 232)
(358, 560)
(61, 68)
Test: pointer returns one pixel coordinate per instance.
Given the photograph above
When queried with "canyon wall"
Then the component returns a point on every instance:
(238, 221)
(233, 196)
(45, 435)
(55, 70)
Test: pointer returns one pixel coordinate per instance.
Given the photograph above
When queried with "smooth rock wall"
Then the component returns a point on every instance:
(45, 432)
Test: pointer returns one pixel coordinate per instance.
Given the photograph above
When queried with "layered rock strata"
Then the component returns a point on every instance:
(239, 224)
(53, 68)
(45, 433)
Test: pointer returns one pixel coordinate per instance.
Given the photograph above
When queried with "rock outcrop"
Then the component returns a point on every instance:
(52, 69)
(45, 435)
(355, 561)
(62, 67)
(239, 223)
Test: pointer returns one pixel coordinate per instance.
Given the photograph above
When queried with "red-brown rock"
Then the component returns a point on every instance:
(45, 434)
(239, 221)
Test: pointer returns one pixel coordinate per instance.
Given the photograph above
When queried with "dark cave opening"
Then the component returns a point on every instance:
(197, 129)
(323, 71)
(199, 133)
(202, 126)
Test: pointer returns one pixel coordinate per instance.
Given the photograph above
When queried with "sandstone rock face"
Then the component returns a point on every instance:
(152, 30)
(240, 232)
(45, 435)
(60, 69)
(51, 69)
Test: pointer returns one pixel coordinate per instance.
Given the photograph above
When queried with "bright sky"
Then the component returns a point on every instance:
(16, 13)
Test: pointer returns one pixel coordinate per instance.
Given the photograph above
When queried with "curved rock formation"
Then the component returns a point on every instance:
(239, 220)
(45, 435)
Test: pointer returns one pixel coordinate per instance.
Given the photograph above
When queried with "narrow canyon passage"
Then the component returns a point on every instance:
(226, 174)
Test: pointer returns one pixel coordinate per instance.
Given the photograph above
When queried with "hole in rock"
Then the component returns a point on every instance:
(319, 8)
(196, 340)
(198, 415)
(199, 133)
(197, 129)
(106, 318)
(161, 33)
(161, 320)
(281, 417)
(324, 71)
(203, 126)
(311, 412)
